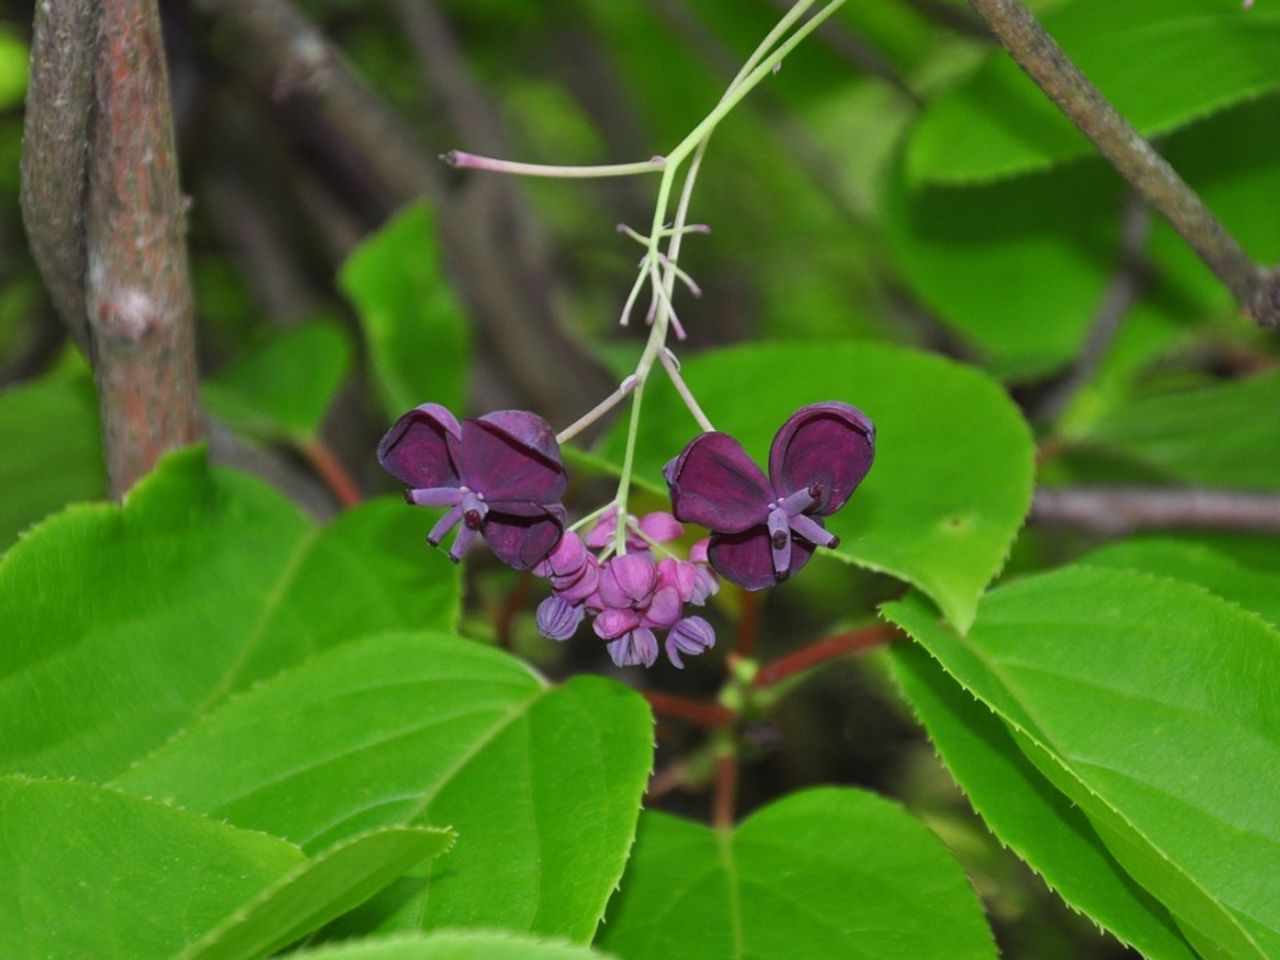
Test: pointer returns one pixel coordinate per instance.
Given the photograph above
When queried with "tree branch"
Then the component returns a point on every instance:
(106, 220)
(54, 157)
(1256, 290)
(138, 290)
(1117, 511)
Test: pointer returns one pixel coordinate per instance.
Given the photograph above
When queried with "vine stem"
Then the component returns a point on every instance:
(333, 473)
(1256, 289)
(696, 712)
(816, 654)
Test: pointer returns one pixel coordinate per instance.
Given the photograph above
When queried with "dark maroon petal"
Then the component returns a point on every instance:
(747, 558)
(713, 482)
(415, 450)
(528, 429)
(521, 535)
(827, 445)
(502, 466)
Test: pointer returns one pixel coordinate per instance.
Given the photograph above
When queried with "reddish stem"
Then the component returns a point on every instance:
(816, 654)
(510, 607)
(725, 796)
(748, 625)
(690, 711)
(332, 472)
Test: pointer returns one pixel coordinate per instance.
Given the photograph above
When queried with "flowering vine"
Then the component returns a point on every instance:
(500, 477)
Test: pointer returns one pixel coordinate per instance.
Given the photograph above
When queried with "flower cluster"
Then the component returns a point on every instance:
(501, 478)
(631, 595)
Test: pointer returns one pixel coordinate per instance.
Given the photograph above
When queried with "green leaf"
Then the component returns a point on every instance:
(1198, 564)
(1028, 814)
(99, 873)
(1016, 268)
(953, 471)
(417, 333)
(542, 783)
(92, 872)
(453, 945)
(1153, 705)
(53, 451)
(823, 873)
(282, 387)
(342, 877)
(1219, 435)
(1162, 64)
(124, 624)
(13, 68)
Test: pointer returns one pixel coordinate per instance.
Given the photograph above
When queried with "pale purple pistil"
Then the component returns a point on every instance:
(787, 517)
(467, 505)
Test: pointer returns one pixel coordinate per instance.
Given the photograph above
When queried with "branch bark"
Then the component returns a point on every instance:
(54, 152)
(1256, 289)
(103, 208)
(1117, 511)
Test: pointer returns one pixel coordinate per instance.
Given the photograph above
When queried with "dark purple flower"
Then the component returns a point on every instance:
(499, 475)
(691, 636)
(765, 529)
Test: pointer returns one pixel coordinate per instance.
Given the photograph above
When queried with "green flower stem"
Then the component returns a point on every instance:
(473, 161)
(763, 61)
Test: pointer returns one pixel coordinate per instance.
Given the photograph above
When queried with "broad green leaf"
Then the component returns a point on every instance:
(339, 879)
(124, 624)
(1153, 705)
(822, 873)
(1195, 563)
(1219, 435)
(13, 68)
(90, 872)
(99, 873)
(416, 332)
(1028, 814)
(1018, 268)
(282, 387)
(52, 450)
(541, 783)
(1163, 63)
(453, 945)
(952, 477)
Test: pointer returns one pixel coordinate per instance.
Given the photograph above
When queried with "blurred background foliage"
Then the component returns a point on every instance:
(896, 182)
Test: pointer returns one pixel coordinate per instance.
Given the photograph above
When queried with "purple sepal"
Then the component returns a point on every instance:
(627, 581)
(827, 446)
(714, 483)
(639, 647)
(559, 619)
(691, 636)
(415, 450)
